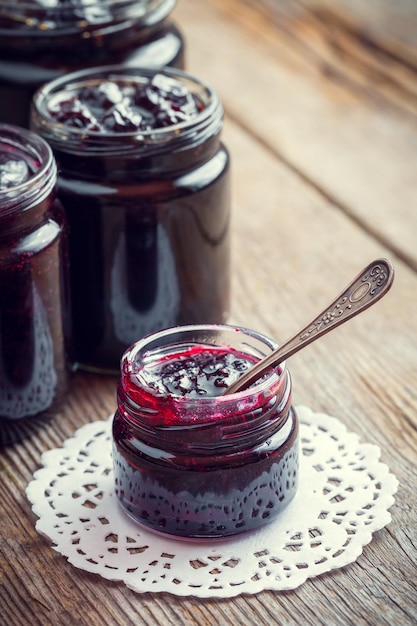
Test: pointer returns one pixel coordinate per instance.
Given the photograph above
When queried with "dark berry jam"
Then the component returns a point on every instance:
(124, 107)
(144, 181)
(189, 461)
(40, 41)
(33, 374)
(195, 372)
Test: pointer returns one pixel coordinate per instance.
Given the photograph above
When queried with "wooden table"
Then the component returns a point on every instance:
(321, 112)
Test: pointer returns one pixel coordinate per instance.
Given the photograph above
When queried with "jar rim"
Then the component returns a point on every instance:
(30, 16)
(40, 184)
(209, 423)
(76, 140)
(267, 383)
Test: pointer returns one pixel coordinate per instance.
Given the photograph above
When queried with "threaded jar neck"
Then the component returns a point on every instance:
(24, 203)
(209, 424)
(148, 146)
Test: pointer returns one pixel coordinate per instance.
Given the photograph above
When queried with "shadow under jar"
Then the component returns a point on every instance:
(189, 461)
(41, 40)
(144, 180)
(33, 336)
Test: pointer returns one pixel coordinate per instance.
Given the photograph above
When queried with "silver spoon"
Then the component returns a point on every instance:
(367, 288)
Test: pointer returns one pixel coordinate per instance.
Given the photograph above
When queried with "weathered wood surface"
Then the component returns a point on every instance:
(324, 163)
(322, 100)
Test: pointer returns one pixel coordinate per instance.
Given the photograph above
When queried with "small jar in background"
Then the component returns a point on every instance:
(189, 461)
(33, 339)
(40, 41)
(148, 207)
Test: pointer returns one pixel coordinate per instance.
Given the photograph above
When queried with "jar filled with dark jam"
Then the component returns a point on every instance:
(190, 461)
(33, 374)
(144, 181)
(41, 40)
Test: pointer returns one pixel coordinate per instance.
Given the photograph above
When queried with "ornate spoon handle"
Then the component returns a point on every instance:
(367, 288)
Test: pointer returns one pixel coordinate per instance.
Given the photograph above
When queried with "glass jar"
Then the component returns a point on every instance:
(42, 40)
(190, 462)
(33, 374)
(148, 214)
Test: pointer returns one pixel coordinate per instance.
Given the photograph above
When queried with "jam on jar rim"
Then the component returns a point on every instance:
(68, 16)
(198, 479)
(267, 384)
(207, 423)
(213, 439)
(176, 137)
(41, 182)
(210, 442)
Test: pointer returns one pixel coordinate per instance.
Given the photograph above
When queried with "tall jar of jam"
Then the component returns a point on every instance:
(33, 374)
(189, 460)
(41, 40)
(144, 181)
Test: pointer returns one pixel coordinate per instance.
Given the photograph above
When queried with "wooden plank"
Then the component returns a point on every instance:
(342, 116)
(391, 26)
(293, 249)
(289, 258)
(351, 44)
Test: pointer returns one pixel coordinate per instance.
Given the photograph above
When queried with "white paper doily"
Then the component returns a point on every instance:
(343, 497)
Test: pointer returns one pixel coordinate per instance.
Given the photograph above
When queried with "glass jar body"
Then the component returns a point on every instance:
(209, 467)
(149, 227)
(33, 331)
(38, 45)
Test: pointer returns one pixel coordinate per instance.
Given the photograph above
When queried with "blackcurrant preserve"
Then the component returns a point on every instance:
(33, 300)
(194, 463)
(144, 181)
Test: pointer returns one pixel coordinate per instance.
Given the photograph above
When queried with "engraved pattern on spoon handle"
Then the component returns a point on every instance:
(363, 291)
(368, 287)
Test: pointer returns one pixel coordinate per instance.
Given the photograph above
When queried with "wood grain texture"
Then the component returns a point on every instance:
(337, 118)
(314, 199)
(390, 26)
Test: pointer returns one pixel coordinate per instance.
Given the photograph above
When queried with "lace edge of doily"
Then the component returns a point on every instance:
(251, 588)
(384, 518)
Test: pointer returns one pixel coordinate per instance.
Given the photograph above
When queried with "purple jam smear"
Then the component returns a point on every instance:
(192, 373)
(196, 372)
(124, 106)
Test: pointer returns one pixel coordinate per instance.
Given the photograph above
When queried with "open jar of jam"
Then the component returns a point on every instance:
(190, 461)
(41, 40)
(33, 338)
(144, 181)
